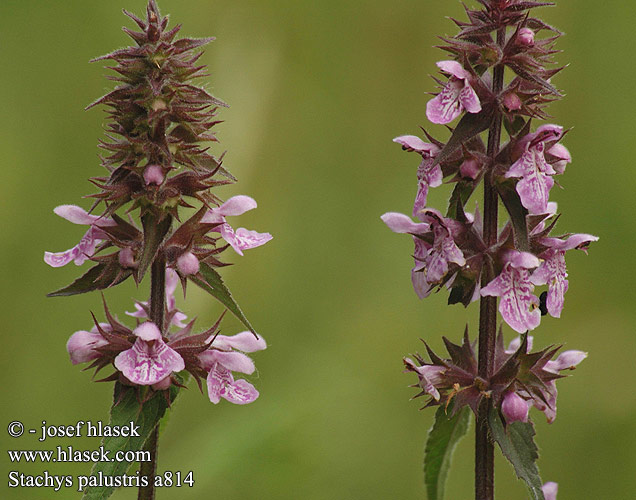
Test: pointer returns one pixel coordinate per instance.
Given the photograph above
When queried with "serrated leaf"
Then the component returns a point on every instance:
(517, 213)
(126, 408)
(213, 284)
(98, 277)
(517, 444)
(440, 445)
(154, 233)
(468, 127)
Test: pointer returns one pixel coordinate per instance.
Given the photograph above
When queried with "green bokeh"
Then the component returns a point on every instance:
(317, 91)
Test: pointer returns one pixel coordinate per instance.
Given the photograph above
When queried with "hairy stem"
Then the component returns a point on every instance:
(484, 448)
(157, 307)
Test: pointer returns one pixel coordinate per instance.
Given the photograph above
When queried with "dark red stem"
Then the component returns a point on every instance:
(484, 448)
(157, 307)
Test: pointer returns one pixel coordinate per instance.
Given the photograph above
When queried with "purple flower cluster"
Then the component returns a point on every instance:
(453, 250)
(158, 163)
(145, 357)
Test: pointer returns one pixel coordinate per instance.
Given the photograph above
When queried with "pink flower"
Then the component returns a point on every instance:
(550, 490)
(241, 239)
(82, 346)
(430, 377)
(456, 96)
(525, 36)
(150, 360)
(518, 305)
(544, 397)
(153, 174)
(188, 263)
(86, 247)
(533, 169)
(514, 408)
(552, 270)
(431, 260)
(223, 358)
(428, 174)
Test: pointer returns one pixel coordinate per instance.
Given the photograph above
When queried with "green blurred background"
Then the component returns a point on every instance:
(317, 91)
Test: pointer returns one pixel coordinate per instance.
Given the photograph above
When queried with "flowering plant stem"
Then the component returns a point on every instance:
(148, 469)
(467, 252)
(484, 448)
(157, 307)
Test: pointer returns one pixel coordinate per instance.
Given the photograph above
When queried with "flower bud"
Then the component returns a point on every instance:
(153, 175)
(514, 408)
(470, 168)
(82, 346)
(127, 258)
(512, 102)
(188, 264)
(525, 37)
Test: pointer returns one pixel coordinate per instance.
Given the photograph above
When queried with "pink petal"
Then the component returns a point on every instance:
(523, 260)
(550, 490)
(147, 363)
(548, 132)
(514, 408)
(414, 143)
(243, 239)
(244, 341)
(237, 205)
(81, 346)
(147, 331)
(468, 98)
(221, 384)
(563, 156)
(518, 306)
(60, 259)
(515, 344)
(445, 107)
(400, 223)
(567, 360)
(453, 68)
(79, 253)
(420, 198)
(153, 174)
(78, 215)
(233, 361)
(218, 379)
(418, 276)
(430, 173)
(241, 392)
(188, 264)
(139, 312)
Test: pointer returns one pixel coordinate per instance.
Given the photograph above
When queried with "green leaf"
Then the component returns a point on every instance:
(440, 445)
(468, 127)
(126, 408)
(460, 195)
(155, 231)
(517, 444)
(98, 277)
(213, 284)
(517, 213)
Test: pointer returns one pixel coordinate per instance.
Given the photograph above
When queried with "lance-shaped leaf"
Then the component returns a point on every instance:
(440, 445)
(211, 282)
(99, 277)
(468, 127)
(517, 444)
(460, 196)
(517, 213)
(126, 409)
(155, 231)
